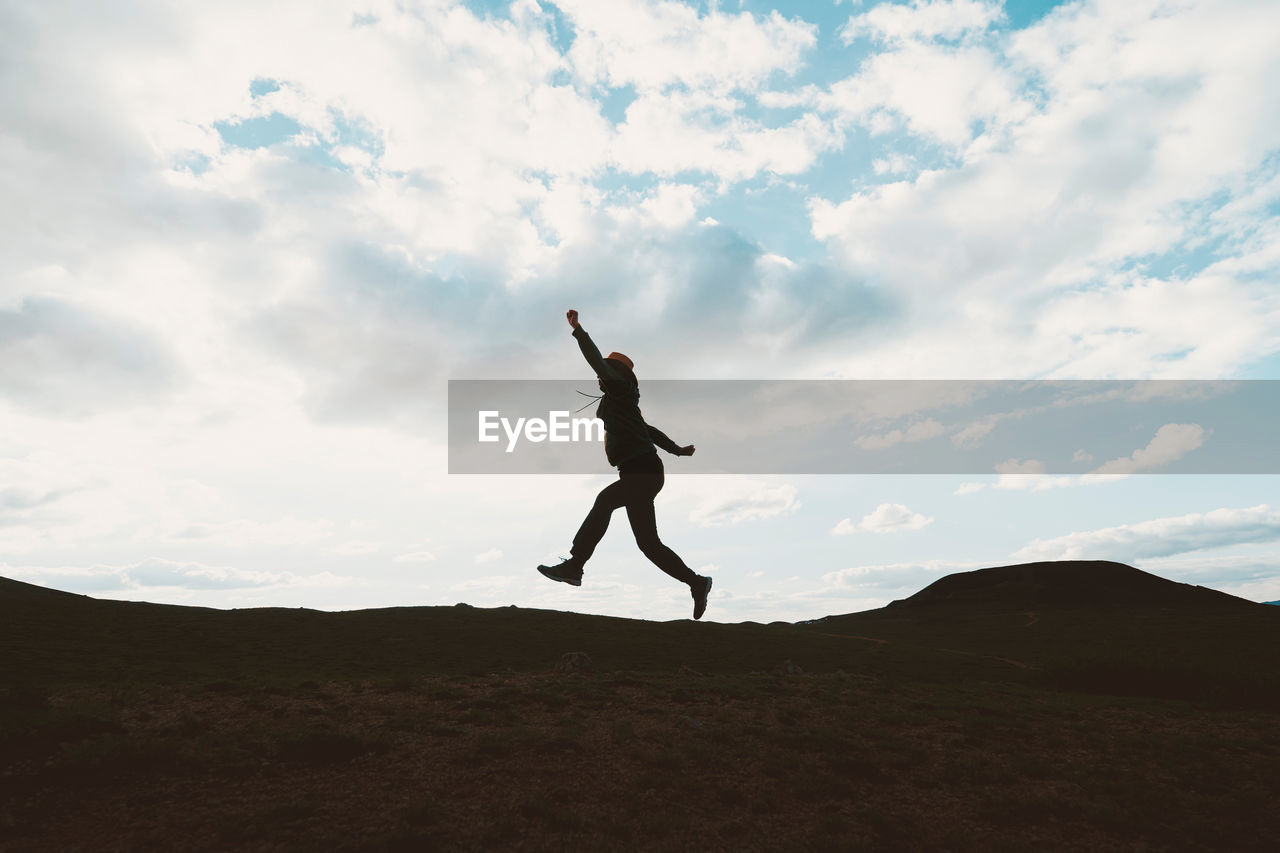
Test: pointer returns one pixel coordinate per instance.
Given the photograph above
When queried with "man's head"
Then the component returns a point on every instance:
(624, 365)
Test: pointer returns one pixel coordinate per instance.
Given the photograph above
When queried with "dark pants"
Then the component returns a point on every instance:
(639, 481)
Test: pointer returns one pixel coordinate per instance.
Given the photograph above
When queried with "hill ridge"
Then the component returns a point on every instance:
(1067, 583)
(16, 590)
(1047, 583)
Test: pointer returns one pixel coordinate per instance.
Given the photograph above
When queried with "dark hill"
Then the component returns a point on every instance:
(1089, 625)
(1068, 583)
(134, 726)
(1082, 625)
(965, 718)
(15, 591)
(49, 637)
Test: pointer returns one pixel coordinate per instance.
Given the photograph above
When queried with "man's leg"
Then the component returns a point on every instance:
(596, 523)
(644, 524)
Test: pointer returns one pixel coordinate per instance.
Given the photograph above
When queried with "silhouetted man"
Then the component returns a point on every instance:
(629, 445)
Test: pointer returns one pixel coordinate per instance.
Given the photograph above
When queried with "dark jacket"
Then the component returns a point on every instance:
(626, 435)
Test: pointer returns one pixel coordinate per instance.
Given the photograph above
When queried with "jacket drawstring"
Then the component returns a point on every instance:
(593, 399)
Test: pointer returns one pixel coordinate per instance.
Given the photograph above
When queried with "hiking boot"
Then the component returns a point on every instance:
(568, 571)
(700, 589)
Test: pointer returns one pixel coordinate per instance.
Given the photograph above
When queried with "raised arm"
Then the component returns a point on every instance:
(589, 350)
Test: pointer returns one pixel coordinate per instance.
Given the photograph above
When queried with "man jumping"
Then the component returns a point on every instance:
(629, 445)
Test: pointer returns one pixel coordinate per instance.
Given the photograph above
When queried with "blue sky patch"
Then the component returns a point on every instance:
(193, 162)
(263, 86)
(614, 103)
(1024, 13)
(258, 132)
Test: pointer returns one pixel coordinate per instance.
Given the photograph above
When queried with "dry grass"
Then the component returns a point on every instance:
(127, 726)
(637, 760)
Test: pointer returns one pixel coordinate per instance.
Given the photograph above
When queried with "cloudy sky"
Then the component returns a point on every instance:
(247, 243)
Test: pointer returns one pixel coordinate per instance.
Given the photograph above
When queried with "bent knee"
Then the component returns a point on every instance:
(606, 502)
(650, 546)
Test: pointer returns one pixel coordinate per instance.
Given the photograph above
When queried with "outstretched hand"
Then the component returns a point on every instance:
(572, 315)
(687, 450)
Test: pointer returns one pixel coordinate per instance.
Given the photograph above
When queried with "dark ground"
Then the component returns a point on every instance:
(1004, 711)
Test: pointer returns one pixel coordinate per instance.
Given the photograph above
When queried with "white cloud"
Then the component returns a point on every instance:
(1038, 483)
(912, 575)
(935, 91)
(653, 44)
(488, 556)
(414, 557)
(922, 19)
(64, 359)
(490, 585)
(886, 518)
(159, 573)
(1019, 247)
(918, 431)
(672, 205)
(844, 527)
(745, 502)
(355, 547)
(1254, 564)
(971, 434)
(246, 532)
(1017, 466)
(1161, 537)
(1028, 475)
(1170, 443)
(686, 68)
(1252, 572)
(669, 133)
(894, 164)
(1030, 481)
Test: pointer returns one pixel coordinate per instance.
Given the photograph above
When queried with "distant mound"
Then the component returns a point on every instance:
(11, 590)
(1066, 583)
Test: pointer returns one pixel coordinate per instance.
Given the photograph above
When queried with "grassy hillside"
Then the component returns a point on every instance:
(1094, 626)
(1074, 706)
(60, 639)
